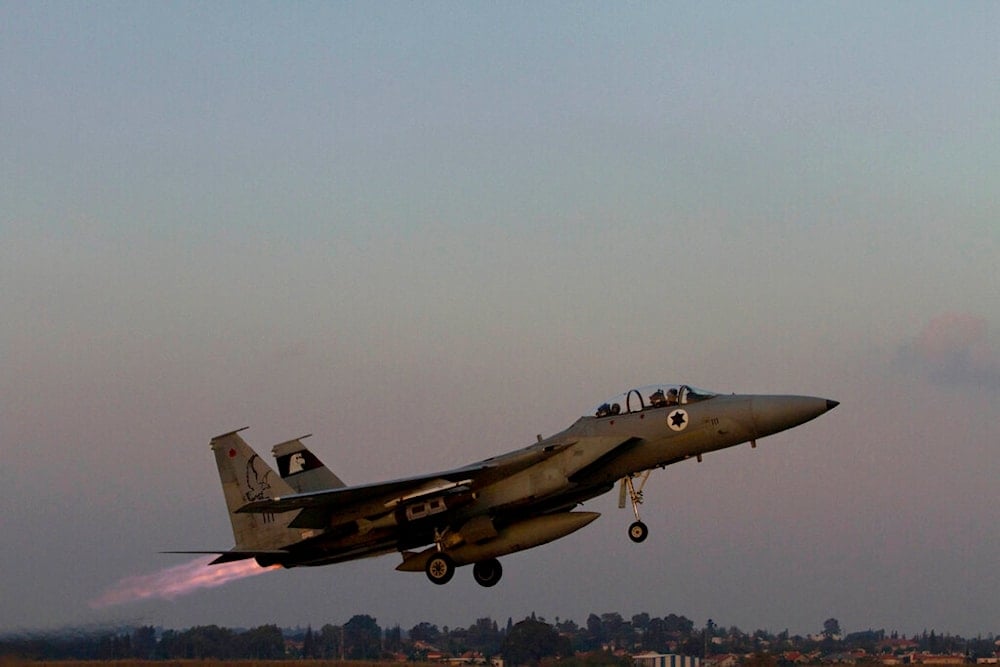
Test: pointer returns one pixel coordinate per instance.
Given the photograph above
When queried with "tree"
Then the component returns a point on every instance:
(595, 637)
(263, 643)
(640, 621)
(831, 628)
(679, 626)
(394, 638)
(484, 636)
(362, 638)
(329, 644)
(308, 643)
(206, 641)
(424, 632)
(531, 640)
(144, 642)
(655, 637)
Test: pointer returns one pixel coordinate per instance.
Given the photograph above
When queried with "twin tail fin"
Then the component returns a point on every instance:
(301, 469)
(246, 477)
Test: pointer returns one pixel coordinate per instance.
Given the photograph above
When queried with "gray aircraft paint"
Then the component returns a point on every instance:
(472, 515)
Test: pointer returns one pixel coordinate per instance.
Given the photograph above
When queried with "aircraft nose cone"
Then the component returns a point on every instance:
(772, 414)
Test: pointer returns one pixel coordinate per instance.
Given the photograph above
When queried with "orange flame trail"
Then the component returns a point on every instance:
(176, 581)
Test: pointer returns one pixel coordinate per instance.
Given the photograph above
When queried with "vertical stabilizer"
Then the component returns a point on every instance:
(247, 477)
(302, 470)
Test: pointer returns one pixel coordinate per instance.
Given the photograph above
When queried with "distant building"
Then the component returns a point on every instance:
(723, 660)
(897, 645)
(942, 659)
(933, 659)
(664, 660)
(795, 657)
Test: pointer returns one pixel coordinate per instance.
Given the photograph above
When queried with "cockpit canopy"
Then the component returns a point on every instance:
(651, 397)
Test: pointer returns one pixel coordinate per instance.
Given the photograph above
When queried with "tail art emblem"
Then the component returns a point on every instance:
(257, 484)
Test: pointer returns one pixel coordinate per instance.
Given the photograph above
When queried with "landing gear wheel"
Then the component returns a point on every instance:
(487, 572)
(638, 531)
(440, 568)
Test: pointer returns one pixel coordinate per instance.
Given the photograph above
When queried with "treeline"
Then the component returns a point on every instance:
(266, 642)
(528, 641)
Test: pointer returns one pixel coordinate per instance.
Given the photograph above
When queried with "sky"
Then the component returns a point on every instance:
(427, 232)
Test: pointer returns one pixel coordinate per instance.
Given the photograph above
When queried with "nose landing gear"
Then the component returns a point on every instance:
(637, 531)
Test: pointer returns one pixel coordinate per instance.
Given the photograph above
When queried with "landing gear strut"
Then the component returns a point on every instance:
(637, 532)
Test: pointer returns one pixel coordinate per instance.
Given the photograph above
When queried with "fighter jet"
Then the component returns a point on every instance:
(307, 516)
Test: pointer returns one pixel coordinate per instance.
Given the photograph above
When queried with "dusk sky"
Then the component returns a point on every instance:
(427, 232)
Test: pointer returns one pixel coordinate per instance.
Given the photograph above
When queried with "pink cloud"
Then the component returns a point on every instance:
(955, 349)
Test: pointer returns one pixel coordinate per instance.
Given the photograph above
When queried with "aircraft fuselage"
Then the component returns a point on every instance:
(511, 502)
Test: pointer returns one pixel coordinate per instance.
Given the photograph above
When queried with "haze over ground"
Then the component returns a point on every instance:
(426, 233)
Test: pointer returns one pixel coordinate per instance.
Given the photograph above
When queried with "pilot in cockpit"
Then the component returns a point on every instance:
(657, 399)
(672, 397)
(606, 410)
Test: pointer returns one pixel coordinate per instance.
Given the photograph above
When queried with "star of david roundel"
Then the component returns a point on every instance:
(677, 420)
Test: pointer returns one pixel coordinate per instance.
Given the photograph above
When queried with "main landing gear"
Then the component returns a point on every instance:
(637, 531)
(440, 569)
(487, 572)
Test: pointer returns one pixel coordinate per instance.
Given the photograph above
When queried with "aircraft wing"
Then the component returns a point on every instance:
(384, 493)
(353, 502)
(611, 454)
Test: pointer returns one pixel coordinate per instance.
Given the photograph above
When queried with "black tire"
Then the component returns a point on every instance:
(638, 532)
(440, 568)
(487, 572)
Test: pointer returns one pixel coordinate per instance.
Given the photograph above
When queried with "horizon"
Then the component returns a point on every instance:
(720, 628)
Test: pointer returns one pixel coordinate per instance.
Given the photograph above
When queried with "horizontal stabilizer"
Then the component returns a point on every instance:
(233, 554)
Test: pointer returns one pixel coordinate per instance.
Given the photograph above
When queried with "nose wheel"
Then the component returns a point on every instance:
(637, 531)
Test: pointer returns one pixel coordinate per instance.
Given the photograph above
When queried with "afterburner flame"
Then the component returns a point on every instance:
(178, 580)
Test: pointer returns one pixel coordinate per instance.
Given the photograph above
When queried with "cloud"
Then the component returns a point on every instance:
(954, 350)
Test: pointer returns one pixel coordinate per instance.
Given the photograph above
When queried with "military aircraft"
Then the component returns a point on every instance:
(504, 504)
